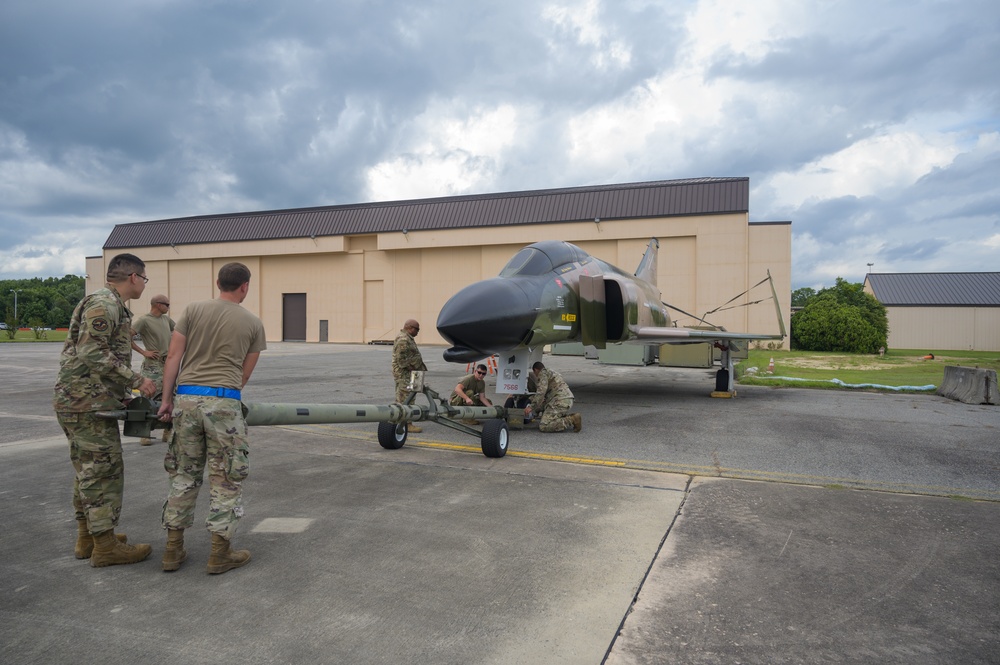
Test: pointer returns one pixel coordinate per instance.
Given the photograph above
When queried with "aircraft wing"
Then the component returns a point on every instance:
(654, 335)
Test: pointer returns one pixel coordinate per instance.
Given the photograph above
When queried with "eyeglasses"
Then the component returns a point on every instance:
(145, 280)
(165, 304)
(479, 373)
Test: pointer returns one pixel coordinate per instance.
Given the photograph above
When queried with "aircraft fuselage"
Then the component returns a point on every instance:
(550, 292)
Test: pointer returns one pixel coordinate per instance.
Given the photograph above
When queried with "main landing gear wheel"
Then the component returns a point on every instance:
(494, 438)
(392, 435)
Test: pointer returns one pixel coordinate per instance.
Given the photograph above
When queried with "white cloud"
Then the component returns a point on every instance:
(452, 153)
(55, 253)
(744, 28)
(583, 21)
(881, 163)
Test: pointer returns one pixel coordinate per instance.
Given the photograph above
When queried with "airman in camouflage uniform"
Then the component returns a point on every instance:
(521, 401)
(554, 399)
(155, 329)
(471, 391)
(95, 374)
(406, 358)
(213, 351)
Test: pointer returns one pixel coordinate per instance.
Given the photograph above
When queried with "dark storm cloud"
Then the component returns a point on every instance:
(125, 111)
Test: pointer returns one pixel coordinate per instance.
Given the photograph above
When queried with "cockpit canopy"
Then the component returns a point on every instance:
(543, 257)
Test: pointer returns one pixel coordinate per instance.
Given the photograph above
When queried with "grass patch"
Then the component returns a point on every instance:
(899, 367)
(23, 335)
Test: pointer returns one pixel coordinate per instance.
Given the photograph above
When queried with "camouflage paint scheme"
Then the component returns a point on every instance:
(553, 291)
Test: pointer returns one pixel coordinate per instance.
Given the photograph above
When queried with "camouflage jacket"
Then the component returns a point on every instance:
(95, 367)
(550, 386)
(406, 356)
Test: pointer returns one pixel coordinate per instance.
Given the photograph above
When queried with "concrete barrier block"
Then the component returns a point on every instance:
(970, 385)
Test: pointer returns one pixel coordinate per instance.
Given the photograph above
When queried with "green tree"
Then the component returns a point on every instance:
(32, 311)
(841, 318)
(801, 296)
(51, 299)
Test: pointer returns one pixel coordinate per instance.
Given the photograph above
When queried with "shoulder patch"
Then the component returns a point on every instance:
(100, 325)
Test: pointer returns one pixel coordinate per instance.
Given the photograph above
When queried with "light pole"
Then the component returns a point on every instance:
(870, 268)
(15, 292)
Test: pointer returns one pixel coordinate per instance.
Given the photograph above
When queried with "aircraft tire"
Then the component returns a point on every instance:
(392, 436)
(494, 438)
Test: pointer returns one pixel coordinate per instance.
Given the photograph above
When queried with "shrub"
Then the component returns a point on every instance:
(841, 318)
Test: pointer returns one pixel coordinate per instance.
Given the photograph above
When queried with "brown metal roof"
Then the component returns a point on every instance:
(940, 289)
(664, 198)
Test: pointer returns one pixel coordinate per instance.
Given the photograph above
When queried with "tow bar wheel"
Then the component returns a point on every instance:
(494, 438)
(392, 435)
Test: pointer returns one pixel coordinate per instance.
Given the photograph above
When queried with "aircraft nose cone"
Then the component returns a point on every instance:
(491, 316)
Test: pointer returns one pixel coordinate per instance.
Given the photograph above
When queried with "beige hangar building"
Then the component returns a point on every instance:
(354, 273)
(940, 311)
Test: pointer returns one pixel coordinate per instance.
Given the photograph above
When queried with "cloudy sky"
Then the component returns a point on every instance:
(873, 126)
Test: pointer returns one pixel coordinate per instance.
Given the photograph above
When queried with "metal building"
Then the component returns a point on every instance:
(946, 311)
(354, 273)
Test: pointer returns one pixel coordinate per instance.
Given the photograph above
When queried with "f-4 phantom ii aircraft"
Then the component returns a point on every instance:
(553, 291)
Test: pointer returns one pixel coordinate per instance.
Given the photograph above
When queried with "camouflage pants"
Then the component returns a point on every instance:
(208, 431)
(95, 448)
(153, 370)
(401, 392)
(554, 418)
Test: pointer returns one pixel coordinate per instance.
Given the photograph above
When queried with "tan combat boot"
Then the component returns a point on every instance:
(109, 551)
(175, 554)
(85, 542)
(577, 421)
(223, 558)
(145, 441)
(413, 429)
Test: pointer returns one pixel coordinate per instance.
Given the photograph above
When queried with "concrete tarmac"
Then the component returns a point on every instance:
(643, 539)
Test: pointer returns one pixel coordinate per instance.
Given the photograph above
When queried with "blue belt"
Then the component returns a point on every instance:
(229, 393)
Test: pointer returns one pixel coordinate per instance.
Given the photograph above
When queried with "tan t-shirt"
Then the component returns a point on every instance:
(219, 334)
(155, 331)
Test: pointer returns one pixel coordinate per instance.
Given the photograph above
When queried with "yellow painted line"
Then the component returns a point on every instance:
(445, 445)
(520, 453)
(596, 461)
(684, 469)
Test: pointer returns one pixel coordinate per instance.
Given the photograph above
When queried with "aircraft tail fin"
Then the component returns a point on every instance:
(647, 266)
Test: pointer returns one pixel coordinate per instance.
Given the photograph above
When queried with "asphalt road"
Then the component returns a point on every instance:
(664, 420)
(643, 539)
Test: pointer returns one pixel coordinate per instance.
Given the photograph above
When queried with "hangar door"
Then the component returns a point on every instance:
(293, 317)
